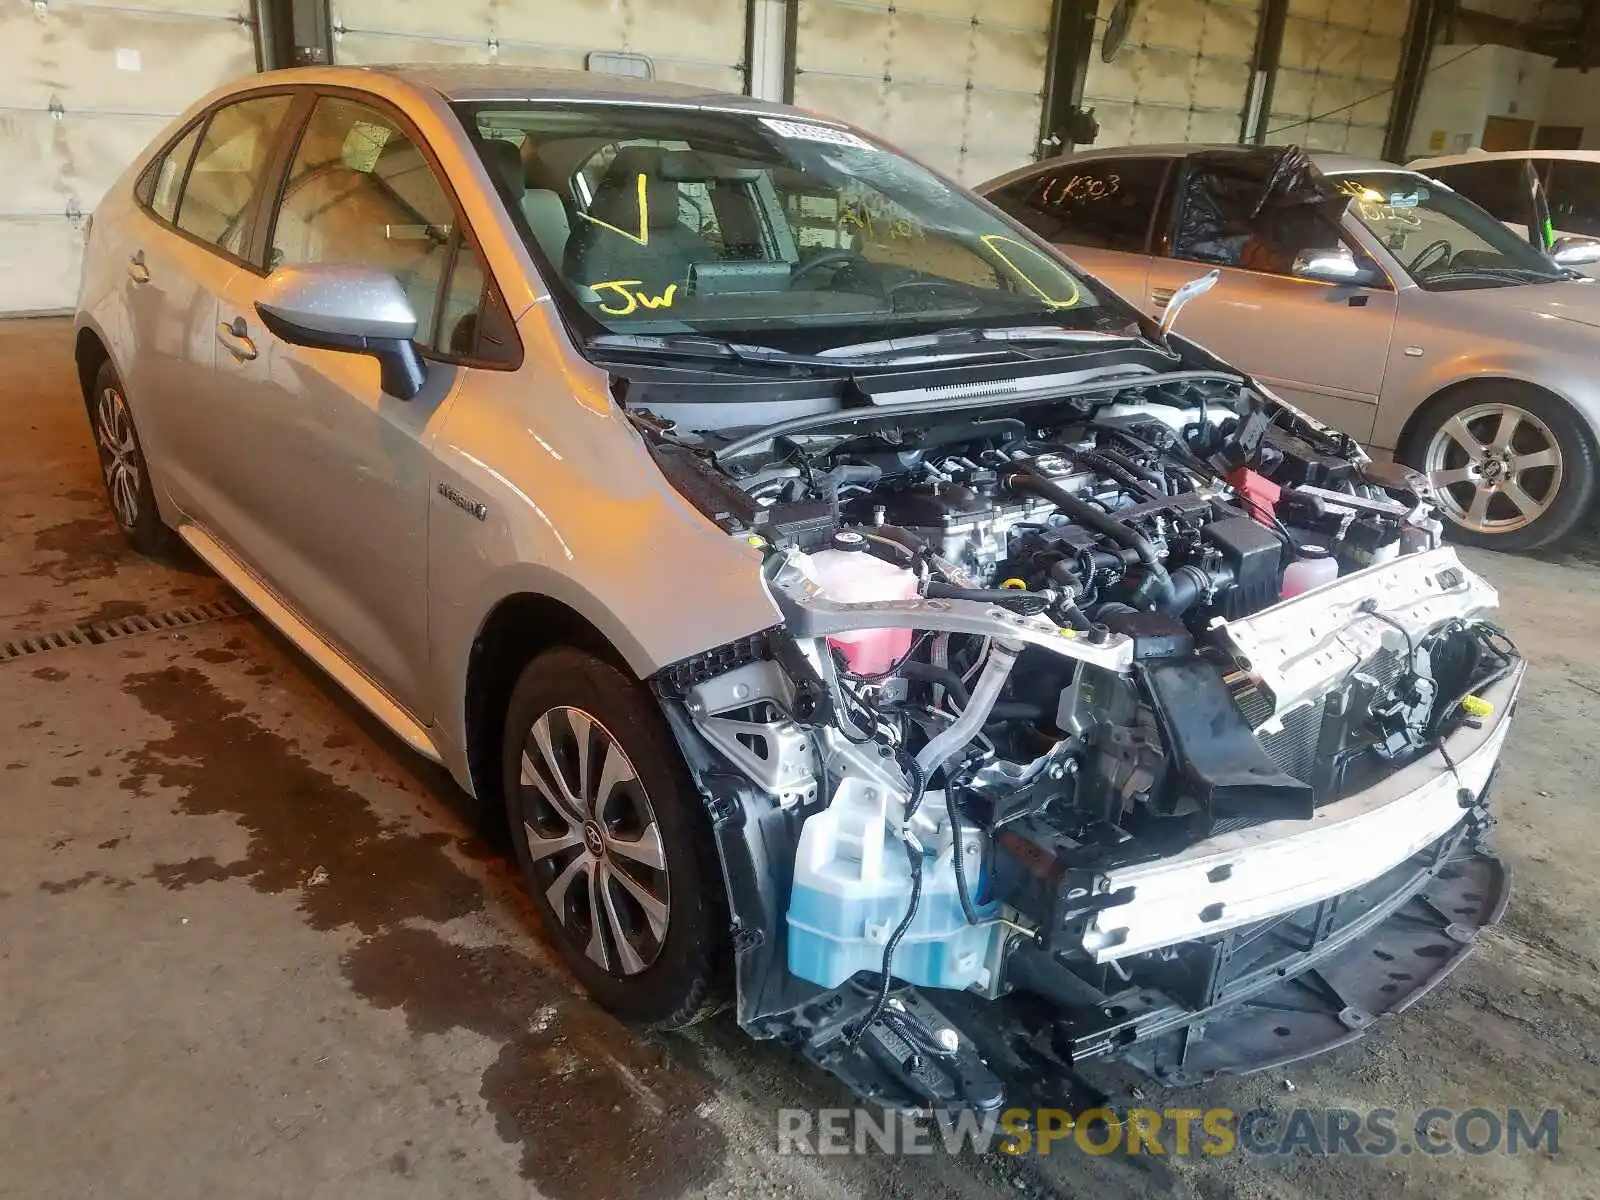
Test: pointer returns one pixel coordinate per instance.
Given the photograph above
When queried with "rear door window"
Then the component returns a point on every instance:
(1575, 197)
(1106, 205)
(227, 171)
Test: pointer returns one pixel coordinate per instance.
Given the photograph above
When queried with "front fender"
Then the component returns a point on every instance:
(543, 486)
(1556, 357)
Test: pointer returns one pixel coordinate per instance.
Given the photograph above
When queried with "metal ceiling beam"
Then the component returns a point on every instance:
(1264, 71)
(1429, 18)
(1063, 122)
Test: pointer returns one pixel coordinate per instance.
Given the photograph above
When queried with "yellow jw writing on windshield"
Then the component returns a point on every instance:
(618, 299)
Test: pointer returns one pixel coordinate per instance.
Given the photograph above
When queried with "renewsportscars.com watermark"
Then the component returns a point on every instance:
(1181, 1132)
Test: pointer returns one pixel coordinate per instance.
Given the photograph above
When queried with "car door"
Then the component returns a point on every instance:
(1322, 345)
(1100, 212)
(333, 501)
(198, 202)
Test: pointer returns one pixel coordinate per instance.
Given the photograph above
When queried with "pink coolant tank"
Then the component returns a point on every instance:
(850, 575)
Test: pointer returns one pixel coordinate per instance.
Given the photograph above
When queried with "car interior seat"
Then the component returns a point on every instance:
(543, 206)
(614, 240)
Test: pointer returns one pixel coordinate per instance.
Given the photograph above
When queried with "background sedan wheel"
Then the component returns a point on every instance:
(1512, 466)
(614, 842)
(122, 465)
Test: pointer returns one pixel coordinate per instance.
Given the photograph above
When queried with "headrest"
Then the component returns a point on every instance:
(616, 200)
(504, 161)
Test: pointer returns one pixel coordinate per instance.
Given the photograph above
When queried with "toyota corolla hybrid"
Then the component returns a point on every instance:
(866, 620)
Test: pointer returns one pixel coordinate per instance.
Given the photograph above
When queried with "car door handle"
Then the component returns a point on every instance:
(1160, 297)
(236, 338)
(137, 271)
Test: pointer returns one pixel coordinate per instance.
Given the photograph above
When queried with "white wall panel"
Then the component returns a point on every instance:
(1182, 75)
(83, 89)
(688, 41)
(958, 83)
(1339, 60)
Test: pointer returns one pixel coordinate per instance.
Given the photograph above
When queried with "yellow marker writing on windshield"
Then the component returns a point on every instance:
(643, 236)
(630, 301)
(993, 240)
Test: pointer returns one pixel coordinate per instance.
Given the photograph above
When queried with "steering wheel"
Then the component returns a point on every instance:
(828, 258)
(1440, 249)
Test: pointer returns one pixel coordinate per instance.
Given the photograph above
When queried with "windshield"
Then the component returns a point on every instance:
(751, 228)
(1444, 240)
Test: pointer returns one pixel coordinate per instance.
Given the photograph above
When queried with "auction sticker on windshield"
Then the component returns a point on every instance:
(805, 131)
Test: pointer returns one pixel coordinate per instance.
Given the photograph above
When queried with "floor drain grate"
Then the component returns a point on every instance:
(114, 630)
(42, 643)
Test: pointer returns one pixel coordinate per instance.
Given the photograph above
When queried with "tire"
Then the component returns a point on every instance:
(123, 469)
(1516, 486)
(580, 849)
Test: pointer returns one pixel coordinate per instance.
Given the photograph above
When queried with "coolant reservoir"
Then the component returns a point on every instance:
(1313, 566)
(850, 575)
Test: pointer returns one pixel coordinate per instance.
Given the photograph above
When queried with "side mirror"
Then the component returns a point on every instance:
(336, 306)
(1336, 265)
(1576, 251)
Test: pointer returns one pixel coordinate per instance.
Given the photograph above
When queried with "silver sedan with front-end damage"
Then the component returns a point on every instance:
(863, 619)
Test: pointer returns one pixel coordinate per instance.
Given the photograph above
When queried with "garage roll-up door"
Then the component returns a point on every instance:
(958, 83)
(689, 41)
(1182, 73)
(1339, 60)
(83, 89)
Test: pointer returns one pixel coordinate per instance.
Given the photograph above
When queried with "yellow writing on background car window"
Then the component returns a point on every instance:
(993, 240)
(641, 238)
(624, 300)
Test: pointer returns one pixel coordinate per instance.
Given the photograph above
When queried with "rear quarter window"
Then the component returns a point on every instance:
(1106, 205)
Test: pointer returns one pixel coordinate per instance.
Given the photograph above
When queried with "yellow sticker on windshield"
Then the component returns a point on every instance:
(628, 301)
(993, 240)
(641, 238)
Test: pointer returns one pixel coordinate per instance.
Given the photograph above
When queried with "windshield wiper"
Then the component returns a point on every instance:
(689, 345)
(976, 336)
(1506, 274)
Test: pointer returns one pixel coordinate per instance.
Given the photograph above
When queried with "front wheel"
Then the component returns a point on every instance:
(615, 845)
(1512, 466)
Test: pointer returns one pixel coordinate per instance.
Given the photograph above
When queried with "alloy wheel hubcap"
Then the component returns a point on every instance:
(1495, 467)
(119, 456)
(593, 840)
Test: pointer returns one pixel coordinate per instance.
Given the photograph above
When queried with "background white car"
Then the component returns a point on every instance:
(1499, 183)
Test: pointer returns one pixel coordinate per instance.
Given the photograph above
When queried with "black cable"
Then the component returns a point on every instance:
(1277, 526)
(1334, 112)
(880, 676)
(1370, 607)
(914, 857)
(962, 893)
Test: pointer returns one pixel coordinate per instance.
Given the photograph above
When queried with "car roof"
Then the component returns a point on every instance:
(1472, 156)
(1328, 162)
(473, 82)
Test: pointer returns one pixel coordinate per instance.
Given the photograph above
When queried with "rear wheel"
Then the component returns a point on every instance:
(614, 843)
(122, 465)
(1512, 466)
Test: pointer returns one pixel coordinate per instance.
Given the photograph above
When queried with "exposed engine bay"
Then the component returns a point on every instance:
(1058, 693)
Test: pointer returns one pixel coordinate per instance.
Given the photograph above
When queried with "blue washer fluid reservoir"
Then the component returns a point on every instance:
(852, 883)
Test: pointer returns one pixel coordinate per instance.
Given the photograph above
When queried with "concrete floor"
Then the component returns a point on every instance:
(249, 946)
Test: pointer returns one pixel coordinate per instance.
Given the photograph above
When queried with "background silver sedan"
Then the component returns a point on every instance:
(1414, 320)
